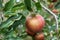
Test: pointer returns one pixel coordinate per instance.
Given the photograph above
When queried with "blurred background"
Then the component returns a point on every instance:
(13, 16)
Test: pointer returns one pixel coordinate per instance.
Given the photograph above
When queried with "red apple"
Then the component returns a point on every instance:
(39, 36)
(35, 23)
(30, 33)
(55, 11)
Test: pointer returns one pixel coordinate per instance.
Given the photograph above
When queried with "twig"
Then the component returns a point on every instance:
(55, 16)
(50, 12)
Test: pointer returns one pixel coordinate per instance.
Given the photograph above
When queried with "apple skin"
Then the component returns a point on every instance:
(35, 23)
(39, 36)
(30, 33)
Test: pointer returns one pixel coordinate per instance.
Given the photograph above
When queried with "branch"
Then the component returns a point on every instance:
(50, 12)
(53, 14)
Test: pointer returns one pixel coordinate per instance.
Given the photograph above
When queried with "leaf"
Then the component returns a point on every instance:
(9, 5)
(18, 22)
(0, 3)
(6, 23)
(38, 6)
(28, 4)
(57, 6)
(10, 21)
(18, 7)
(9, 13)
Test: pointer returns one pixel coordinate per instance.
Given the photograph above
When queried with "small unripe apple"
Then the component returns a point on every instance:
(55, 11)
(35, 23)
(30, 33)
(39, 36)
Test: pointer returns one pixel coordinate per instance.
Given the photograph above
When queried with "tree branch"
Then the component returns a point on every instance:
(53, 14)
(50, 12)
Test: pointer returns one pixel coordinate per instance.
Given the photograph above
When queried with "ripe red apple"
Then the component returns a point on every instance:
(55, 11)
(39, 36)
(35, 23)
(30, 33)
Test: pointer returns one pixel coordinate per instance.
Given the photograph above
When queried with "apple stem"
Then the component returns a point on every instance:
(33, 14)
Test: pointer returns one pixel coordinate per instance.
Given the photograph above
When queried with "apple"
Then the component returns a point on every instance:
(55, 11)
(39, 36)
(30, 33)
(35, 23)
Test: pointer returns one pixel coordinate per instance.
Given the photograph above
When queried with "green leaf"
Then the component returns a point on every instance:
(9, 5)
(0, 3)
(9, 13)
(57, 6)
(28, 4)
(10, 21)
(6, 23)
(18, 7)
(18, 22)
(38, 6)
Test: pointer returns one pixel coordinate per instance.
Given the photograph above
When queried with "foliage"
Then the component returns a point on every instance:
(12, 24)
